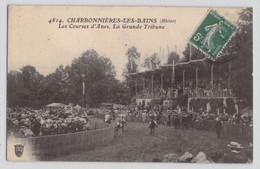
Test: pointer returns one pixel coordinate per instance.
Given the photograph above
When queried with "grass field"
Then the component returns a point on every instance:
(136, 145)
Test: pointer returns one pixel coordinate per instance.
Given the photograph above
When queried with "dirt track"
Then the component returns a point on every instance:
(135, 144)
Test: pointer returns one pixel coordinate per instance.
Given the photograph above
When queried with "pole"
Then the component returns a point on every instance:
(162, 80)
(197, 69)
(152, 83)
(143, 84)
(183, 80)
(160, 51)
(212, 78)
(83, 94)
(229, 74)
(163, 53)
(135, 86)
(131, 62)
(172, 79)
(167, 53)
(188, 106)
(190, 52)
(173, 72)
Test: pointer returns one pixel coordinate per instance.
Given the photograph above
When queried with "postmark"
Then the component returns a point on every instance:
(212, 34)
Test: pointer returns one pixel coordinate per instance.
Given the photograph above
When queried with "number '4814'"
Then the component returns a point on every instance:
(54, 20)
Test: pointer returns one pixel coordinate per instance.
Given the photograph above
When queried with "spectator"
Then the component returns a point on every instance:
(152, 125)
(36, 127)
(218, 127)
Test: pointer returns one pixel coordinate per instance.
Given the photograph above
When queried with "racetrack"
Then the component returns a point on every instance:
(136, 145)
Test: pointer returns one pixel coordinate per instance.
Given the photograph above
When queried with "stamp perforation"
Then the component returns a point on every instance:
(224, 45)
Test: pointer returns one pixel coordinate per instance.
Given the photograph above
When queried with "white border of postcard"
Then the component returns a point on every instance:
(69, 165)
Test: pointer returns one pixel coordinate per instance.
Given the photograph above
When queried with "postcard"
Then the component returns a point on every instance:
(130, 84)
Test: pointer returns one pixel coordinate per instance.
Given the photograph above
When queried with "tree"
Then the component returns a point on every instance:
(29, 88)
(23, 88)
(99, 78)
(173, 56)
(242, 63)
(239, 52)
(152, 62)
(131, 67)
(14, 89)
(56, 86)
(31, 80)
(190, 50)
(132, 56)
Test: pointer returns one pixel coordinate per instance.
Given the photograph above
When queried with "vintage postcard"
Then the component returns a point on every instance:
(130, 84)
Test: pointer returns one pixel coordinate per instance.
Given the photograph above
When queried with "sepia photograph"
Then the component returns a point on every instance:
(130, 84)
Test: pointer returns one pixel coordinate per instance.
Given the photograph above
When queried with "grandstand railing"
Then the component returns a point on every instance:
(212, 94)
(191, 93)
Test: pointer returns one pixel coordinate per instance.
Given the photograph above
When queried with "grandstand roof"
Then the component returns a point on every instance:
(169, 66)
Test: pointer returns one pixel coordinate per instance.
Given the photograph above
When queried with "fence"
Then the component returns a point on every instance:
(45, 147)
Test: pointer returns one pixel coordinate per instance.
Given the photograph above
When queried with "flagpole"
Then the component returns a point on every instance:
(163, 53)
(173, 73)
(190, 52)
(131, 62)
(168, 52)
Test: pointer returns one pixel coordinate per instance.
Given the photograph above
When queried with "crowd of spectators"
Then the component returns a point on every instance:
(158, 93)
(204, 89)
(178, 117)
(26, 122)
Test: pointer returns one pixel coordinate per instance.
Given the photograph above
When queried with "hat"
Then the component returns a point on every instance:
(23, 128)
(16, 122)
(186, 157)
(235, 147)
(234, 144)
(63, 124)
(172, 157)
(201, 158)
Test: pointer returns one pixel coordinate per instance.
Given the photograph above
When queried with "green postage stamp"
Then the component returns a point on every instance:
(212, 34)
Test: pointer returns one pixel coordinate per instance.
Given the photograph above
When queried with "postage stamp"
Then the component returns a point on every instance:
(212, 34)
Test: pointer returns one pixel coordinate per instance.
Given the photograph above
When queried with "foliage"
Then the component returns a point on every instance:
(195, 54)
(24, 86)
(242, 64)
(30, 88)
(152, 62)
(131, 67)
(133, 56)
(239, 52)
(173, 56)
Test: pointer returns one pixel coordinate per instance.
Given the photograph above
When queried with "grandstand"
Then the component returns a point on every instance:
(201, 83)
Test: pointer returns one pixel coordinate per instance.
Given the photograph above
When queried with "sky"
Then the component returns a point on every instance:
(32, 40)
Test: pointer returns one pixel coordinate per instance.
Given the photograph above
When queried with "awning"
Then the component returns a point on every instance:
(56, 105)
